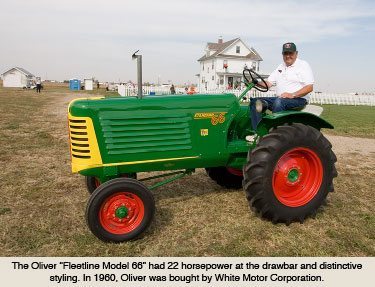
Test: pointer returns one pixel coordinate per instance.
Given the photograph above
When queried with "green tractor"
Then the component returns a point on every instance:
(286, 170)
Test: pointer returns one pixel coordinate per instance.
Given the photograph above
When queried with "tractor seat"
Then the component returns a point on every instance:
(312, 109)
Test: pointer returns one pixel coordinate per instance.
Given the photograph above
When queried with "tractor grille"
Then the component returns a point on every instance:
(143, 134)
(79, 139)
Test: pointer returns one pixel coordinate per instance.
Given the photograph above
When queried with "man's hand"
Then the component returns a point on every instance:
(287, 95)
(297, 94)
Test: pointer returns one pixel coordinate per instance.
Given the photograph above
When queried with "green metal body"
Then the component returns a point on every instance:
(174, 132)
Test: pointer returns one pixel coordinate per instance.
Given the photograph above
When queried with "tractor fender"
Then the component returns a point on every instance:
(288, 117)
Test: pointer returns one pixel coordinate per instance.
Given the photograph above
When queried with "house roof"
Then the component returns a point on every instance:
(220, 47)
(23, 71)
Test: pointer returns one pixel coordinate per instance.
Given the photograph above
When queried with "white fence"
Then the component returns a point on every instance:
(315, 98)
(147, 90)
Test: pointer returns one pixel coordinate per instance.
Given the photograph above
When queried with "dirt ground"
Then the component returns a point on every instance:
(349, 145)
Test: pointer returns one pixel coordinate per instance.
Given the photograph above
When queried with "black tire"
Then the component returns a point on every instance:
(93, 182)
(262, 171)
(223, 177)
(130, 194)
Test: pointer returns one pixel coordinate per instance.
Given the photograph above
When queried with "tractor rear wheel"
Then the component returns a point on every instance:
(92, 182)
(290, 173)
(120, 210)
(226, 177)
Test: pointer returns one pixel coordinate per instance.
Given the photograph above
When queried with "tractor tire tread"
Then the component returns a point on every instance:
(256, 170)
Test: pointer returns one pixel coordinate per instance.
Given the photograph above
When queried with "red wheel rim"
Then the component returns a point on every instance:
(121, 213)
(297, 177)
(235, 171)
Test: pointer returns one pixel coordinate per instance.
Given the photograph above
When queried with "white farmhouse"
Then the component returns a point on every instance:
(222, 65)
(17, 78)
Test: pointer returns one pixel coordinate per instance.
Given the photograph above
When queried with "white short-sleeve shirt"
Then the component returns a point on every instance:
(289, 79)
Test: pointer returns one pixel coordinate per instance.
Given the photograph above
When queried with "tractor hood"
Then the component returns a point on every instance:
(202, 102)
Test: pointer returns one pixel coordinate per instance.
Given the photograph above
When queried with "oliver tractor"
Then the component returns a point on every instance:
(286, 170)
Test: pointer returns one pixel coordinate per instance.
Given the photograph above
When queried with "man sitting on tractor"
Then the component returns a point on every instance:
(293, 80)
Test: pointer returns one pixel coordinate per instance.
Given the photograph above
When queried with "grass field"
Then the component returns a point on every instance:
(356, 121)
(42, 204)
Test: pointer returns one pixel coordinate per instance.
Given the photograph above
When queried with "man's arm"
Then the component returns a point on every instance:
(300, 93)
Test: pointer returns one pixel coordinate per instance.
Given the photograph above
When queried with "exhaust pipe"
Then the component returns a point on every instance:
(139, 72)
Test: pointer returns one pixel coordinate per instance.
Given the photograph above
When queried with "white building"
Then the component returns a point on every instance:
(17, 78)
(222, 65)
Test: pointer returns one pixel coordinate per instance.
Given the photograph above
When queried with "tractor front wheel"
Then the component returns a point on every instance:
(226, 177)
(120, 210)
(289, 174)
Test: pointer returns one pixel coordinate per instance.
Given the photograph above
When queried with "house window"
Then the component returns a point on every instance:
(212, 65)
(202, 80)
(237, 49)
(208, 69)
(213, 78)
(203, 66)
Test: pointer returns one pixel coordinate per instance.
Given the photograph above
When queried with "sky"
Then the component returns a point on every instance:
(60, 40)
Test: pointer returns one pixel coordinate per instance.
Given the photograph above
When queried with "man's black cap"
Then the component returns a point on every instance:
(289, 47)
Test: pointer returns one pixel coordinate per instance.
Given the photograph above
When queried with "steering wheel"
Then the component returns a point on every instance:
(251, 74)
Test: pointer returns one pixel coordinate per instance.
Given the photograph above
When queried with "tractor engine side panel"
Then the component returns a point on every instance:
(162, 132)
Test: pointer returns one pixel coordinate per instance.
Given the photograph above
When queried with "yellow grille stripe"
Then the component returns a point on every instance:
(80, 153)
(80, 159)
(78, 136)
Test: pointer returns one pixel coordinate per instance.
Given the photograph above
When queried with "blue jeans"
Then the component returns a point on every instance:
(275, 104)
